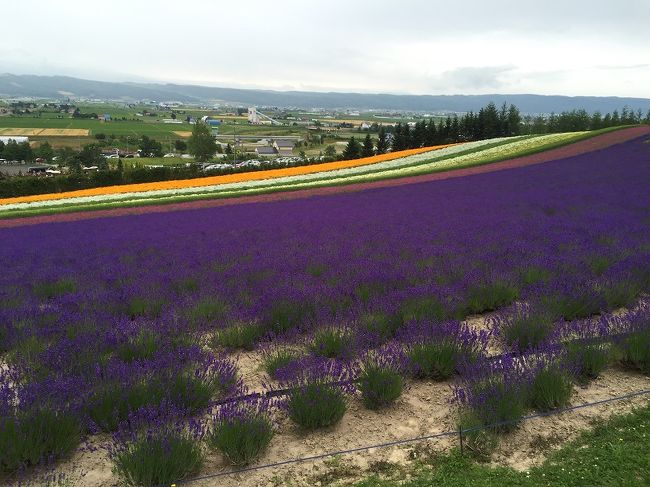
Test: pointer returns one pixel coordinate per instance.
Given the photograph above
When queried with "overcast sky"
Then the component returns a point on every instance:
(567, 47)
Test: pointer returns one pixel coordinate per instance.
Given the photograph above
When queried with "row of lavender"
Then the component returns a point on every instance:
(106, 321)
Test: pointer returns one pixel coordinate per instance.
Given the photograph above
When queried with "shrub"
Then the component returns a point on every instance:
(158, 458)
(589, 360)
(316, 404)
(380, 326)
(433, 360)
(148, 307)
(524, 329)
(241, 432)
(598, 264)
(380, 385)
(488, 297)
(478, 439)
(423, 308)
(36, 437)
(53, 289)
(277, 359)
(494, 393)
(636, 351)
(187, 285)
(242, 336)
(332, 343)
(533, 275)
(141, 347)
(551, 389)
(206, 311)
(620, 294)
(580, 304)
(112, 403)
(285, 315)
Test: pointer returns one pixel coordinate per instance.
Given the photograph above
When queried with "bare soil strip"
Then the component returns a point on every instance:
(423, 409)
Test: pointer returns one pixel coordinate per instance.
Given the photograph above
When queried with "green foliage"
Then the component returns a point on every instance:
(620, 294)
(505, 403)
(533, 275)
(581, 305)
(636, 351)
(241, 439)
(424, 308)
(352, 150)
(316, 405)
(383, 325)
(368, 148)
(380, 386)
(201, 143)
(54, 289)
(479, 440)
(111, 403)
(156, 460)
(277, 359)
(382, 142)
(141, 347)
(489, 297)
(590, 360)
(614, 453)
(551, 389)
(526, 330)
(244, 336)
(141, 306)
(285, 315)
(150, 147)
(331, 342)
(36, 437)
(434, 360)
(207, 311)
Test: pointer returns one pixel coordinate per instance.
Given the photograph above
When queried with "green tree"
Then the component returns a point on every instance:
(352, 150)
(382, 141)
(180, 145)
(201, 144)
(150, 147)
(368, 148)
(45, 151)
(91, 155)
(330, 151)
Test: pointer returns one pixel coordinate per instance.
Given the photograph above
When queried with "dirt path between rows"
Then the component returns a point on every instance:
(423, 409)
(589, 145)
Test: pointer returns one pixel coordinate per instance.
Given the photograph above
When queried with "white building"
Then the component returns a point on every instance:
(15, 138)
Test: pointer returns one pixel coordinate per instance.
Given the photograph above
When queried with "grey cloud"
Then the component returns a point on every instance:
(475, 78)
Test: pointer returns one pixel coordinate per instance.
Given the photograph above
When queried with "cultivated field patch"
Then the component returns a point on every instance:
(42, 132)
(253, 333)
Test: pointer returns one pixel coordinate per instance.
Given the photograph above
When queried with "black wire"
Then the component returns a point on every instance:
(412, 440)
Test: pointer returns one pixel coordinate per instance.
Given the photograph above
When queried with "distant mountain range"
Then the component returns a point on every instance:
(62, 87)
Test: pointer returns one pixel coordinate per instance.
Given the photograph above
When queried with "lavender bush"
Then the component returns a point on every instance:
(241, 431)
(107, 314)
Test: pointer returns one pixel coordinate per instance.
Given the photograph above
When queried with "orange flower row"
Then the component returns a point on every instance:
(227, 178)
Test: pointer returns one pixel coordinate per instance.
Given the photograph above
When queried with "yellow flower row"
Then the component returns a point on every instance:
(215, 180)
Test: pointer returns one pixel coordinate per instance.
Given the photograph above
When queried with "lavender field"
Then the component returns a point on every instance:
(131, 325)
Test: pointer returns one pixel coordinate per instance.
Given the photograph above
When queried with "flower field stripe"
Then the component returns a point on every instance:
(416, 159)
(229, 178)
(321, 184)
(446, 158)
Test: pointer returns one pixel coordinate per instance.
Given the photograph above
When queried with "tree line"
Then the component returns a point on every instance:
(489, 122)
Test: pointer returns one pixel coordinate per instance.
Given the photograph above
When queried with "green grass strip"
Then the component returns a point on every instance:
(614, 453)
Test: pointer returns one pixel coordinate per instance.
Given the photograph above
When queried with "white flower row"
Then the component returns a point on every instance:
(431, 160)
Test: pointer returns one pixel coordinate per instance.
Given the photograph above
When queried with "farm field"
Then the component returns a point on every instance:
(358, 317)
(392, 167)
